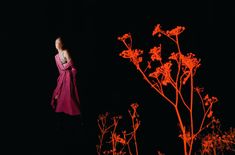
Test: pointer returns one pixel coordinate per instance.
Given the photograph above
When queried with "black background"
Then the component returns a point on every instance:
(106, 81)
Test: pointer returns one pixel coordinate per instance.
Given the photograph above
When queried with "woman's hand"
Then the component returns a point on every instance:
(56, 97)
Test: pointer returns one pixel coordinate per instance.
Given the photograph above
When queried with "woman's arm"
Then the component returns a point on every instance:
(67, 55)
(69, 62)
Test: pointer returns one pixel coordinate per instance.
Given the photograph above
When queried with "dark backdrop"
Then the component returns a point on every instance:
(106, 81)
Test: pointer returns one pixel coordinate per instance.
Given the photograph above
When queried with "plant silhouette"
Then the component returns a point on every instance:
(118, 140)
(176, 73)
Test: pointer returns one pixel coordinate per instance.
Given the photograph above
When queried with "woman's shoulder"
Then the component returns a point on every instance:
(66, 52)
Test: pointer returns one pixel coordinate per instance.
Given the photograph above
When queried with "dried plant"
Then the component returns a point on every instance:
(117, 140)
(218, 141)
(176, 74)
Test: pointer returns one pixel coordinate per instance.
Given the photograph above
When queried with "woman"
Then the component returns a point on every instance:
(65, 97)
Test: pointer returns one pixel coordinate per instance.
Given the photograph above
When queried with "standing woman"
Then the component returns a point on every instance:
(68, 134)
(65, 97)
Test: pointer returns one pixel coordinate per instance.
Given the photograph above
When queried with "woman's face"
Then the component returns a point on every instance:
(58, 44)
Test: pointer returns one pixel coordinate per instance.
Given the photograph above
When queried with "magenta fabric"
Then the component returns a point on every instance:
(66, 89)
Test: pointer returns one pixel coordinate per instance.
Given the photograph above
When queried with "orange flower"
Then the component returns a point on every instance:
(190, 61)
(176, 31)
(157, 29)
(164, 71)
(134, 106)
(210, 114)
(155, 53)
(124, 37)
(133, 55)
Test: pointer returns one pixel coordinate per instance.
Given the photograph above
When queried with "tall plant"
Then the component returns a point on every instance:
(177, 73)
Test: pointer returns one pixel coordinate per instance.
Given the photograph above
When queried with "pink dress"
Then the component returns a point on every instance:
(66, 89)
